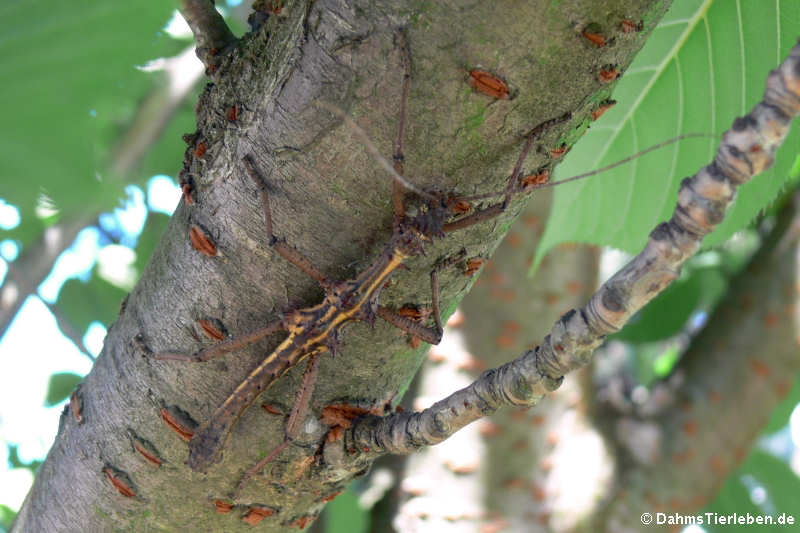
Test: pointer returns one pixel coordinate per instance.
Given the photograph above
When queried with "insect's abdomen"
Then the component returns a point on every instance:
(206, 445)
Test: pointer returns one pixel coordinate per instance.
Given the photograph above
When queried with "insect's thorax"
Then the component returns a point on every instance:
(310, 328)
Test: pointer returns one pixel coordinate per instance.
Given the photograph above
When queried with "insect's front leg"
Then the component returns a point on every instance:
(398, 190)
(513, 186)
(287, 252)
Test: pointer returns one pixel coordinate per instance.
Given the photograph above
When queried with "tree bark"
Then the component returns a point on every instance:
(330, 200)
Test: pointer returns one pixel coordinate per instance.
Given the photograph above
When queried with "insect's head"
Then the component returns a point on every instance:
(430, 216)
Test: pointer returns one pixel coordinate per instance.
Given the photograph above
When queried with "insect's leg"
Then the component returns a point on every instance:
(287, 252)
(533, 136)
(398, 189)
(478, 216)
(513, 181)
(431, 335)
(296, 418)
(226, 346)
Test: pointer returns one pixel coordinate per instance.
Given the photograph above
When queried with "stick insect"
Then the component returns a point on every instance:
(317, 329)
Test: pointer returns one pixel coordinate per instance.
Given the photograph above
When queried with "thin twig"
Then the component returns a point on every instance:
(212, 35)
(533, 135)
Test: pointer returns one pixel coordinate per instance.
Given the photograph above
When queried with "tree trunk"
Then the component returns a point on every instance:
(332, 201)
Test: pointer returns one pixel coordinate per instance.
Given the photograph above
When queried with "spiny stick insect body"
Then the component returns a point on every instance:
(316, 329)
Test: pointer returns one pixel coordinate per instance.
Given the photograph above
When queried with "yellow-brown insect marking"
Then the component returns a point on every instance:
(310, 328)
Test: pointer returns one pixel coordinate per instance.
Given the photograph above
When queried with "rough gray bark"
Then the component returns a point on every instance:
(331, 201)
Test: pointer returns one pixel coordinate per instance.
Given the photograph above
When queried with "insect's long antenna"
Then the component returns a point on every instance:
(592, 172)
(374, 150)
(622, 161)
(398, 191)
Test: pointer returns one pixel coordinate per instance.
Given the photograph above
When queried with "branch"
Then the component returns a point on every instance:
(212, 35)
(485, 477)
(29, 270)
(746, 149)
(738, 369)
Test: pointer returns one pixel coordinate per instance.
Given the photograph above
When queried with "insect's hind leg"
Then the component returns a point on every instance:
(296, 418)
(287, 252)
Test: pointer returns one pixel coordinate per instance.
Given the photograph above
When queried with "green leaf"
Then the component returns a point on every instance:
(704, 65)
(165, 155)
(86, 302)
(151, 235)
(344, 515)
(14, 460)
(70, 85)
(795, 171)
(7, 516)
(780, 484)
(664, 363)
(780, 415)
(60, 387)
